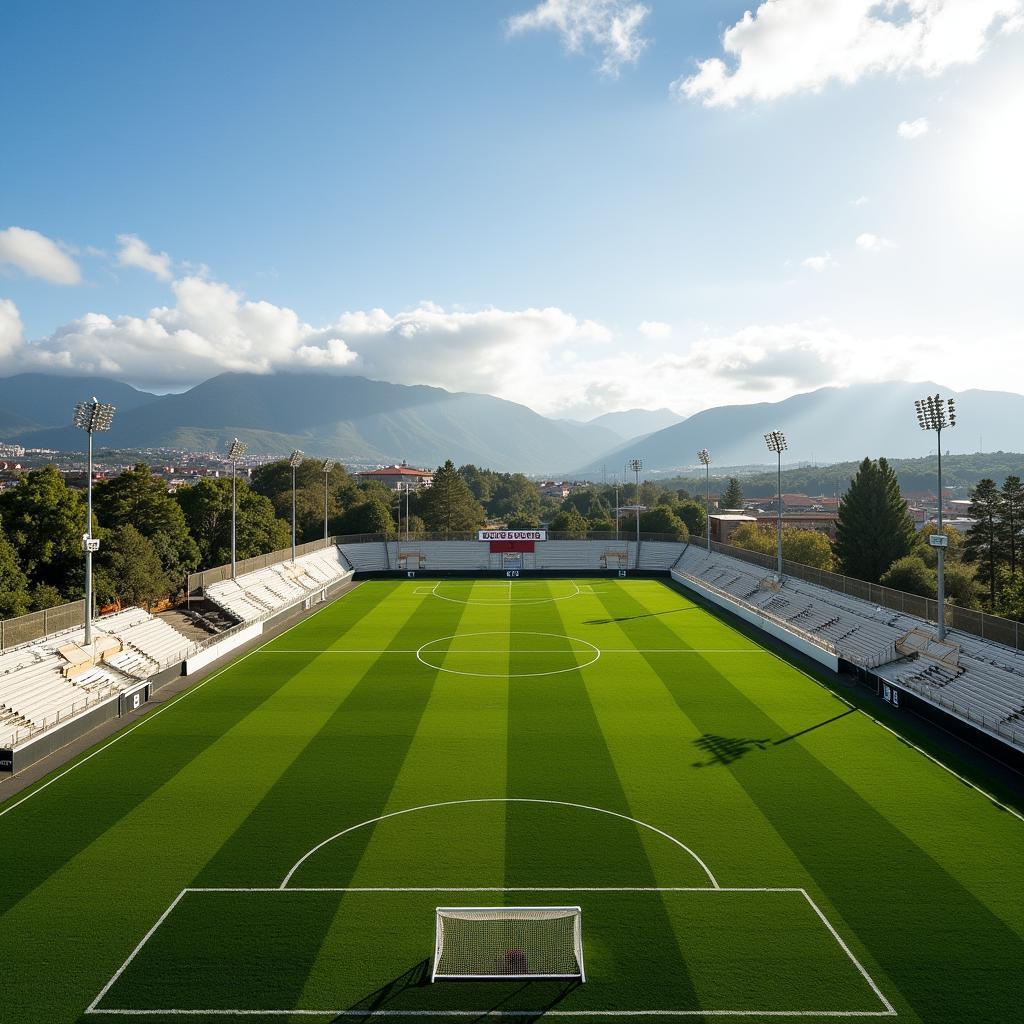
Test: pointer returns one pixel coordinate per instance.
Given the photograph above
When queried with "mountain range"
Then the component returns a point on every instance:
(366, 421)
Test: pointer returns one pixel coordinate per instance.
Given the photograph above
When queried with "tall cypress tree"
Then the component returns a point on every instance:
(1011, 521)
(449, 505)
(874, 528)
(733, 496)
(982, 543)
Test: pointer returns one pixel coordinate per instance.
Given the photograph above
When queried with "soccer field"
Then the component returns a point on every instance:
(741, 842)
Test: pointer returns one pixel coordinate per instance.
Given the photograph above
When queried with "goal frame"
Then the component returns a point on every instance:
(577, 930)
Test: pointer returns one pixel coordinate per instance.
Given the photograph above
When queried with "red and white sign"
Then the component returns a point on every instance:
(505, 535)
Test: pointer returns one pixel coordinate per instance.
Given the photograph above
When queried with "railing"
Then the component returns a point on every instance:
(624, 537)
(981, 624)
(817, 641)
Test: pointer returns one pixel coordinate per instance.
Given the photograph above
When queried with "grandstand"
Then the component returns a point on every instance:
(978, 680)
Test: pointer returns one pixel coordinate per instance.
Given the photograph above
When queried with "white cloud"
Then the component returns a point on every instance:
(655, 330)
(860, 201)
(792, 46)
(11, 333)
(135, 253)
(913, 129)
(611, 25)
(38, 256)
(873, 243)
(819, 263)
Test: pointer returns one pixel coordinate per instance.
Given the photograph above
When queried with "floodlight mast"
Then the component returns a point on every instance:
(329, 464)
(236, 449)
(776, 441)
(635, 466)
(937, 413)
(705, 458)
(91, 416)
(294, 460)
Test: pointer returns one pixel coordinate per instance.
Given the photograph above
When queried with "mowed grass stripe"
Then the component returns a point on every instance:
(348, 766)
(915, 918)
(157, 849)
(654, 745)
(556, 751)
(456, 752)
(96, 795)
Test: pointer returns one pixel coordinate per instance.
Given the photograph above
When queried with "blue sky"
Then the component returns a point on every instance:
(579, 209)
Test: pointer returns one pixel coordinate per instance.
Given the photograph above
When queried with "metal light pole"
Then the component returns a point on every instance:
(329, 464)
(91, 417)
(294, 460)
(408, 533)
(705, 457)
(776, 441)
(634, 466)
(936, 413)
(236, 449)
(616, 507)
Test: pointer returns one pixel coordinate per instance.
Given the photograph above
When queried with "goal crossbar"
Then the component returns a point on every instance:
(508, 944)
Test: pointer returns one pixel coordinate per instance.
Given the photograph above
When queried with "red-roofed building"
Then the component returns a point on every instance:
(395, 478)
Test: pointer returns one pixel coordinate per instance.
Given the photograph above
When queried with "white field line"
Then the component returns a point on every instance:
(149, 716)
(135, 952)
(889, 1010)
(846, 949)
(516, 650)
(497, 800)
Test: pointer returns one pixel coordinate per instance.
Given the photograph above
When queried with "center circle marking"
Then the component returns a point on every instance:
(422, 651)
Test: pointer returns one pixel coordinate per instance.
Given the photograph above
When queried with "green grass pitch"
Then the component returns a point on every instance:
(742, 843)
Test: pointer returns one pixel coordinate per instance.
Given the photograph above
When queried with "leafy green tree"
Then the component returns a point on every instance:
(140, 499)
(910, 575)
(479, 481)
(961, 586)
(448, 504)
(1011, 521)
(14, 595)
(45, 596)
(514, 492)
(692, 513)
(733, 496)
(570, 522)
(1011, 594)
(981, 544)
(662, 519)
(600, 526)
(370, 516)
(128, 569)
(808, 547)
(520, 520)
(274, 481)
(207, 508)
(874, 528)
(412, 528)
(752, 537)
(44, 520)
(954, 551)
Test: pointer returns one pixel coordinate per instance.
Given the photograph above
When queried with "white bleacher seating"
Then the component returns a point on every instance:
(255, 594)
(369, 557)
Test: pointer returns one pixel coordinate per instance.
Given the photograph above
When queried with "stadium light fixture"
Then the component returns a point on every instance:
(92, 417)
(329, 464)
(705, 460)
(236, 449)
(937, 413)
(294, 460)
(635, 466)
(776, 442)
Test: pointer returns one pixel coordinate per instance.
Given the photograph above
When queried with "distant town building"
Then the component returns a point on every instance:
(11, 451)
(555, 489)
(396, 478)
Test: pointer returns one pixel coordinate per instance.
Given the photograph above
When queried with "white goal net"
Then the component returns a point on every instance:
(508, 943)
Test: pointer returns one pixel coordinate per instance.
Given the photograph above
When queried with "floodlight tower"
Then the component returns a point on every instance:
(91, 416)
(635, 466)
(329, 464)
(705, 459)
(776, 441)
(294, 460)
(937, 413)
(236, 449)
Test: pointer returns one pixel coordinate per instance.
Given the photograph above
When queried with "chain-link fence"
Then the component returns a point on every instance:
(989, 627)
(24, 628)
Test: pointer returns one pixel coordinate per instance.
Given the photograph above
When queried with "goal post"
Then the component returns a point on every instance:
(508, 943)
